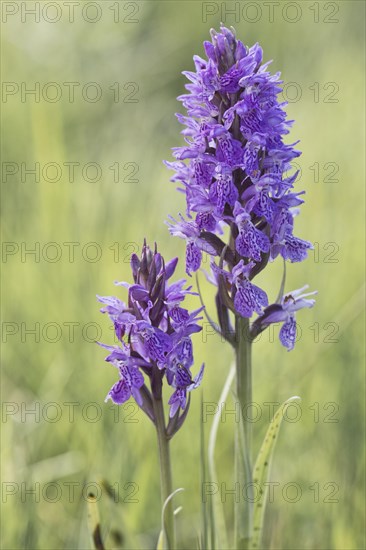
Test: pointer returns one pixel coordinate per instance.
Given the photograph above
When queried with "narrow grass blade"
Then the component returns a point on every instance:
(205, 513)
(218, 519)
(162, 542)
(94, 522)
(262, 469)
(160, 545)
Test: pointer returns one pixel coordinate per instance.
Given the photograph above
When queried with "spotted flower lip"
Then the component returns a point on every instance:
(196, 244)
(179, 398)
(154, 331)
(128, 385)
(235, 169)
(248, 298)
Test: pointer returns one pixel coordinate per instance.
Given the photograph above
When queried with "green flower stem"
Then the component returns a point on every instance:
(165, 472)
(243, 459)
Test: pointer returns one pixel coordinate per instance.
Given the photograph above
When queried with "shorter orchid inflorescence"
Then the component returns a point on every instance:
(235, 173)
(154, 338)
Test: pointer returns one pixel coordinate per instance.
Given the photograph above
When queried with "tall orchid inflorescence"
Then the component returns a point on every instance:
(234, 171)
(154, 338)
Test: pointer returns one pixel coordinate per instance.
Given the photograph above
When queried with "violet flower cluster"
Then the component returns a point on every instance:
(154, 338)
(234, 173)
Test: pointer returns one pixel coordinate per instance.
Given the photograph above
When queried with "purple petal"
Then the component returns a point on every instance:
(119, 393)
(170, 267)
(138, 292)
(197, 379)
(136, 378)
(179, 315)
(288, 334)
(249, 299)
(295, 249)
(183, 378)
(193, 257)
(251, 242)
(177, 400)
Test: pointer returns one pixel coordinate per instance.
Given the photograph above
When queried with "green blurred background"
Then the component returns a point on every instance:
(140, 49)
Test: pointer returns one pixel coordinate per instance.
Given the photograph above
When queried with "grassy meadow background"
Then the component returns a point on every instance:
(134, 54)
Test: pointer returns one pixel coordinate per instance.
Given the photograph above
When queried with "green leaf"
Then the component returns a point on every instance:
(218, 519)
(94, 522)
(160, 545)
(243, 507)
(262, 469)
(205, 508)
(162, 541)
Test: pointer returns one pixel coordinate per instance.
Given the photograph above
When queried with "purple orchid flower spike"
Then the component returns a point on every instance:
(154, 349)
(154, 333)
(234, 171)
(237, 161)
